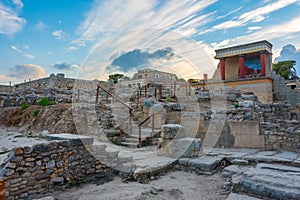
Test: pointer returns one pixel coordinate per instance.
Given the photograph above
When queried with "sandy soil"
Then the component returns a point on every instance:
(174, 185)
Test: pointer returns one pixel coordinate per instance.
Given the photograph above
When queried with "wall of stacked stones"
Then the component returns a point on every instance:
(61, 90)
(4, 88)
(278, 122)
(31, 171)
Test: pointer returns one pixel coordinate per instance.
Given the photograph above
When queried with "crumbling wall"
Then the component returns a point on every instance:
(31, 171)
(6, 88)
(283, 93)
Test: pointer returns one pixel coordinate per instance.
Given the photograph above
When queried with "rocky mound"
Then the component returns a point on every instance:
(34, 119)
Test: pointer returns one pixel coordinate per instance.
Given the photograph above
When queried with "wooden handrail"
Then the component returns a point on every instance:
(140, 128)
(118, 99)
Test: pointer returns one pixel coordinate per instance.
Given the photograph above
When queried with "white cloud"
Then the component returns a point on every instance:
(146, 14)
(73, 48)
(3, 78)
(40, 26)
(18, 3)
(279, 31)
(10, 22)
(253, 16)
(16, 49)
(145, 25)
(27, 71)
(58, 34)
(25, 46)
(27, 55)
(254, 28)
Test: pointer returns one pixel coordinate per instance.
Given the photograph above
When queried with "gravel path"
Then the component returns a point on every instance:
(174, 185)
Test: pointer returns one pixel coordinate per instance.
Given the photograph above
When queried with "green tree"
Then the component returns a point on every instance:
(116, 77)
(286, 69)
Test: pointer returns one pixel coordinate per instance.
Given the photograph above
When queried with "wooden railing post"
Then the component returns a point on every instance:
(121, 135)
(2, 189)
(153, 118)
(175, 90)
(140, 136)
(130, 120)
(97, 93)
(160, 91)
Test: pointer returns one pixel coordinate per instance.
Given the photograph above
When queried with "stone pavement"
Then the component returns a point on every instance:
(269, 174)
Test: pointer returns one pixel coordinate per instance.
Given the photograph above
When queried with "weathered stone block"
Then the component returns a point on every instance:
(183, 147)
(171, 131)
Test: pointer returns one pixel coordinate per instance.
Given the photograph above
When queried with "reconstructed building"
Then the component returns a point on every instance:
(144, 76)
(247, 67)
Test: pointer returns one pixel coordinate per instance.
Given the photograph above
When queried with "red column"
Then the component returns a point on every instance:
(263, 62)
(222, 68)
(241, 66)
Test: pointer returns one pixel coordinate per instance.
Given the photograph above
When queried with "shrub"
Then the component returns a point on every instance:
(44, 101)
(36, 112)
(168, 100)
(236, 105)
(24, 106)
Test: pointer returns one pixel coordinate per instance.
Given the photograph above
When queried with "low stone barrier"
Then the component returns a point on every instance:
(29, 172)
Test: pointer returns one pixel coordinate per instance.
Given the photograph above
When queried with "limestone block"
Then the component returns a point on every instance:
(75, 139)
(249, 141)
(159, 115)
(183, 147)
(244, 127)
(171, 131)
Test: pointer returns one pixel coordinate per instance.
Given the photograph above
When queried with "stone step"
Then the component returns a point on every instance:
(131, 144)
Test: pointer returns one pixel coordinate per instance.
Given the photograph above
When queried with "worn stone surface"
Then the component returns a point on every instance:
(205, 164)
(183, 147)
(274, 181)
(75, 139)
(233, 196)
(171, 131)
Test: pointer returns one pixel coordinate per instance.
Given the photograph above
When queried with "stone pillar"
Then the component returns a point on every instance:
(222, 68)
(241, 66)
(263, 62)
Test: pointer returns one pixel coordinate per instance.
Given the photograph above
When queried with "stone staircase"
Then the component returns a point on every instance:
(121, 112)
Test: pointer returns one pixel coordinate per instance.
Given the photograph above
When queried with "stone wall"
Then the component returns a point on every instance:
(32, 171)
(283, 93)
(284, 135)
(58, 89)
(6, 88)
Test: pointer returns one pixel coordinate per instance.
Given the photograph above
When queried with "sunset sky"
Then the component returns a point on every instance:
(90, 39)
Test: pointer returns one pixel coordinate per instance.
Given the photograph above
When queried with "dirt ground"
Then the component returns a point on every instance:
(177, 185)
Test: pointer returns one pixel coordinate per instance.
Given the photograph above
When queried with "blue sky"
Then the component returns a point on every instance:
(89, 38)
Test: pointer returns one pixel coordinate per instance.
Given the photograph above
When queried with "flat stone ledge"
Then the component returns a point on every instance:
(234, 196)
(75, 139)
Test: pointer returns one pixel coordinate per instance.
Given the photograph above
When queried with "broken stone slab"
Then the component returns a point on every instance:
(74, 139)
(183, 147)
(171, 131)
(204, 164)
(240, 162)
(262, 156)
(234, 170)
(273, 180)
(229, 154)
(233, 196)
(284, 157)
